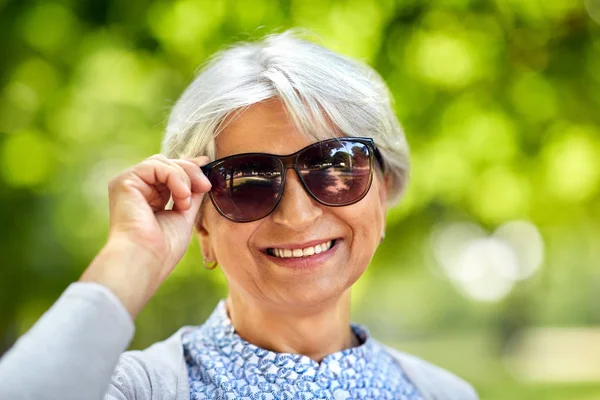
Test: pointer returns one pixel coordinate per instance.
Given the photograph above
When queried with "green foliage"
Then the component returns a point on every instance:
(499, 101)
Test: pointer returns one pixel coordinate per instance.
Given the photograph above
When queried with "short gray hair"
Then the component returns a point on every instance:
(318, 87)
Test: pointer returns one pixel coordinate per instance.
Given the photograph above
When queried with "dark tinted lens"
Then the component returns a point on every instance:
(336, 172)
(246, 188)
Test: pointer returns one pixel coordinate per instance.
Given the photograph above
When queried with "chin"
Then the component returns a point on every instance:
(313, 295)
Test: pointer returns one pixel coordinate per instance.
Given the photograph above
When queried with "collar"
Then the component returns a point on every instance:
(219, 330)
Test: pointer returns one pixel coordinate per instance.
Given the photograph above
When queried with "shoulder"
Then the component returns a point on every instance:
(434, 382)
(157, 372)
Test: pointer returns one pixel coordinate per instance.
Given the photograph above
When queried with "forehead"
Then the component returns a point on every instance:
(263, 127)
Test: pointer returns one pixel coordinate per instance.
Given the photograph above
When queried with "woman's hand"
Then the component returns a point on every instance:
(145, 241)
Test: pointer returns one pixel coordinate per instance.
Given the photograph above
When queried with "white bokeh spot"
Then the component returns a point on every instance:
(486, 267)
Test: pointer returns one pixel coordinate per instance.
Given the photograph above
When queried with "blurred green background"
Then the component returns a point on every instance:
(490, 267)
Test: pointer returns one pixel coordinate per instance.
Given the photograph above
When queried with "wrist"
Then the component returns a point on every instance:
(130, 274)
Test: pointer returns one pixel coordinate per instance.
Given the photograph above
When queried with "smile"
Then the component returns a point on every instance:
(298, 253)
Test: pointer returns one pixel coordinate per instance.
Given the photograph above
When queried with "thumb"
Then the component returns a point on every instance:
(191, 214)
(196, 203)
(196, 199)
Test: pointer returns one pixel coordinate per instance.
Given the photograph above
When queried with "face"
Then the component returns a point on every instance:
(242, 249)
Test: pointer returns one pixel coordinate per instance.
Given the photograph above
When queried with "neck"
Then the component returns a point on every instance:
(314, 332)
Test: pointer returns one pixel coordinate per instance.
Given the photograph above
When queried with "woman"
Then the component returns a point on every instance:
(308, 156)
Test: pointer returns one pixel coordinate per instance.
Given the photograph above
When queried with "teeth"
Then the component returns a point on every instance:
(309, 251)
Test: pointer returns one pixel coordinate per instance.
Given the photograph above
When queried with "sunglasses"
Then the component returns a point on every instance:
(335, 172)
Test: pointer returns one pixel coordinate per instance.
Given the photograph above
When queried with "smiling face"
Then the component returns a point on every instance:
(245, 251)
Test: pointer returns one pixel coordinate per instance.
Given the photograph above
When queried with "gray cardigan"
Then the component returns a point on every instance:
(75, 351)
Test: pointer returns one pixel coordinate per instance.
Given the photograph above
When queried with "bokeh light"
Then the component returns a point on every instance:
(487, 267)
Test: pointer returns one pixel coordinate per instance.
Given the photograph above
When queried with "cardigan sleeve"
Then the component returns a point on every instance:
(72, 350)
(432, 381)
(147, 374)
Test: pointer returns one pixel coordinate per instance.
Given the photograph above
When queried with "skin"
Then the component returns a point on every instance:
(287, 310)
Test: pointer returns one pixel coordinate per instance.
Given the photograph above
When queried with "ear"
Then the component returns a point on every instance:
(203, 235)
(382, 189)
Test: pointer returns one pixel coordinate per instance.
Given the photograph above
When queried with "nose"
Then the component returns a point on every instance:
(296, 210)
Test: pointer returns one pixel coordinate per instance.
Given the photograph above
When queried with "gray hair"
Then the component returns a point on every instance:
(318, 87)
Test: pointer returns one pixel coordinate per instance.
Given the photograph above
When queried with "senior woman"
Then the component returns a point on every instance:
(307, 157)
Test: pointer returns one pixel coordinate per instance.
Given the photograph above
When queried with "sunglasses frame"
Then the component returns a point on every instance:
(290, 161)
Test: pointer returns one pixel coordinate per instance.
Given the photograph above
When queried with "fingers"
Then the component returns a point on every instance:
(165, 176)
(199, 182)
(177, 177)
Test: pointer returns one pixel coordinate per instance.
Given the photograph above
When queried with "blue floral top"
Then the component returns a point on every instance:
(221, 365)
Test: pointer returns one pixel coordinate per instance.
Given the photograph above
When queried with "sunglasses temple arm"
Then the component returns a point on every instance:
(379, 159)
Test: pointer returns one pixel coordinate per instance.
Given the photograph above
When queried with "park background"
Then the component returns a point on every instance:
(490, 267)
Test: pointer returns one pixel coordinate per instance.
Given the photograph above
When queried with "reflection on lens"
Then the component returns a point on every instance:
(336, 172)
(246, 188)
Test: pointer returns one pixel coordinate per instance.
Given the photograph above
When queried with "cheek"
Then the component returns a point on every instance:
(368, 217)
(365, 220)
(230, 242)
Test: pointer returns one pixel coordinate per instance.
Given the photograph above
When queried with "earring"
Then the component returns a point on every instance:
(382, 236)
(211, 266)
